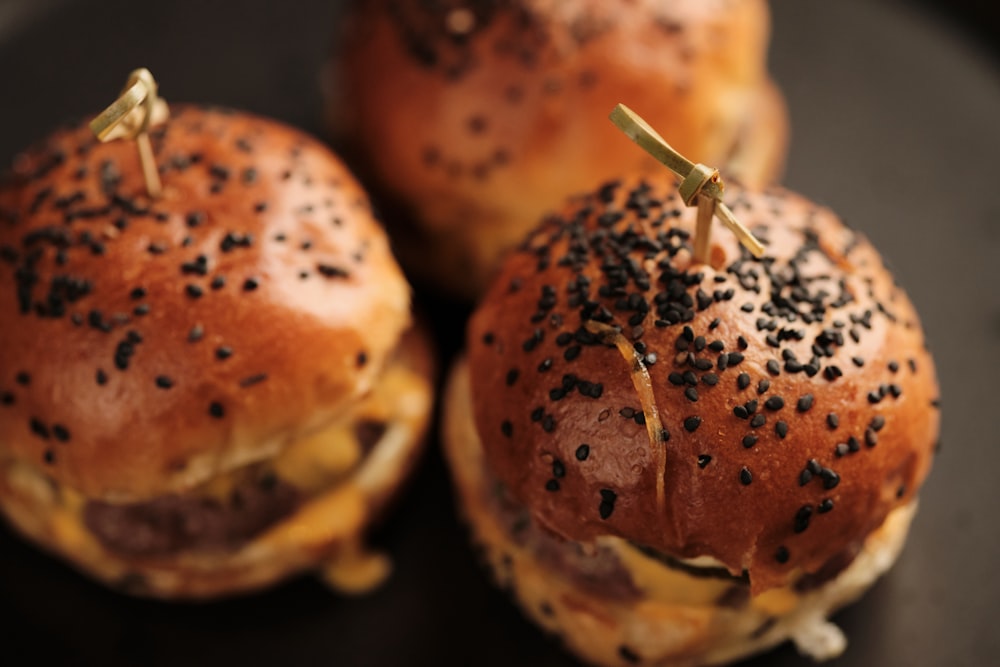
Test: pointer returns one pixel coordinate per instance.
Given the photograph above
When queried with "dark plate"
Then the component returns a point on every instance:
(895, 126)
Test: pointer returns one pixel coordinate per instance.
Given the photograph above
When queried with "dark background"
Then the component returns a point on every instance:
(894, 110)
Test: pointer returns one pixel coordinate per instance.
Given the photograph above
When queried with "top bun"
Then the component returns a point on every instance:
(476, 117)
(790, 402)
(148, 345)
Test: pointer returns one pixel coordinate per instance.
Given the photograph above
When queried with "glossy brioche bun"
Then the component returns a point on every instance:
(666, 617)
(474, 118)
(149, 346)
(796, 399)
(325, 532)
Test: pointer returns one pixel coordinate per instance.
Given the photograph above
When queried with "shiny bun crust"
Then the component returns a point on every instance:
(638, 610)
(477, 117)
(148, 346)
(790, 403)
(324, 532)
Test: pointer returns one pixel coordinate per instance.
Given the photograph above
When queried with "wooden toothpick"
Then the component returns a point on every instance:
(701, 186)
(130, 116)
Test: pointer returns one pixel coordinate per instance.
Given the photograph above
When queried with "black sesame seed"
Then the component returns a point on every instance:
(38, 428)
(194, 291)
(704, 460)
(558, 469)
(582, 452)
(874, 397)
(138, 293)
(805, 476)
(781, 428)
(877, 422)
(6, 398)
(741, 412)
(894, 366)
(711, 379)
(49, 456)
(552, 485)
(691, 394)
(758, 421)
(23, 378)
(749, 440)
(805, 403)
(871, 437)
(734, 358)
(745, 476)
(250, 284)
(676, 379)
(691, 424)
(802, 518)
(830, 478)
(60, 432)
(743, 381)
(781, 555)
(763, 385)
(572, 352)
(512, 375)
(196, 333)
(218, 282)
(825, 506)
(164, 382)
(832, 420)
(216, 410)
(548, 423)
(545, 365)
(774, 403)
(507, 428)
(607, 505)
(361, 359)
(773, 367)
(223, 352)
(628, 655)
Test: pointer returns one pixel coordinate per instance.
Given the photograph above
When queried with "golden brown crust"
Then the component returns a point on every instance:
(672, 619)
(129, 368)
(478, 119)
(324, 532)
(783, 449)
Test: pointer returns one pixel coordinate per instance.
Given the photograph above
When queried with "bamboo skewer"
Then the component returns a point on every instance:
(701, 186)
(130, 116)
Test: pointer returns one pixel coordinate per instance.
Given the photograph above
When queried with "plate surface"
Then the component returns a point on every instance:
(894, 126)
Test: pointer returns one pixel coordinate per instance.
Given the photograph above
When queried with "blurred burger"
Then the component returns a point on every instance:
(465, 115)
(675, 463)
(203, 393)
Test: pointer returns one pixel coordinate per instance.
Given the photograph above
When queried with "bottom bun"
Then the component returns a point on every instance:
(340, 483)
(613, 603)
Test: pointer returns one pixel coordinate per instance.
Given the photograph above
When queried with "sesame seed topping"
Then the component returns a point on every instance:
(194, 291)
(253, 379)
(805, 403)
(743, 381)
(250, 284)
(774, 403)
(223, 352)
(773, 367)
(749, 440)
(552, 485)
(164, 382)
(196, 333)
(582, 452)
(361, 359)
(558, 469)
(512, 375)
(691, 424)
(704, 460)
(781, 428)
(802, 517)
(60, 432)
(877, 423)
(832, 420)
(746, 477)
(825, 506)
(691, 394)
(781, 555)
(23, 378)
(216, 410)
(607, 505)
(507, 428)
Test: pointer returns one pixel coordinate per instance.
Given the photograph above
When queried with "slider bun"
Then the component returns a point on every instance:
(474, 121)
(324, 533)
(99, 298)
(814, 407)
(665, 617)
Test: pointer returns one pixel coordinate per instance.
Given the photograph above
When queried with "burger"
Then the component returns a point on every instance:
(464, 115)
(678, 463)
(206, 392)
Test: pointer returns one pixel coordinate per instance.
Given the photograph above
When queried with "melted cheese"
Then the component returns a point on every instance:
(664, 584)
